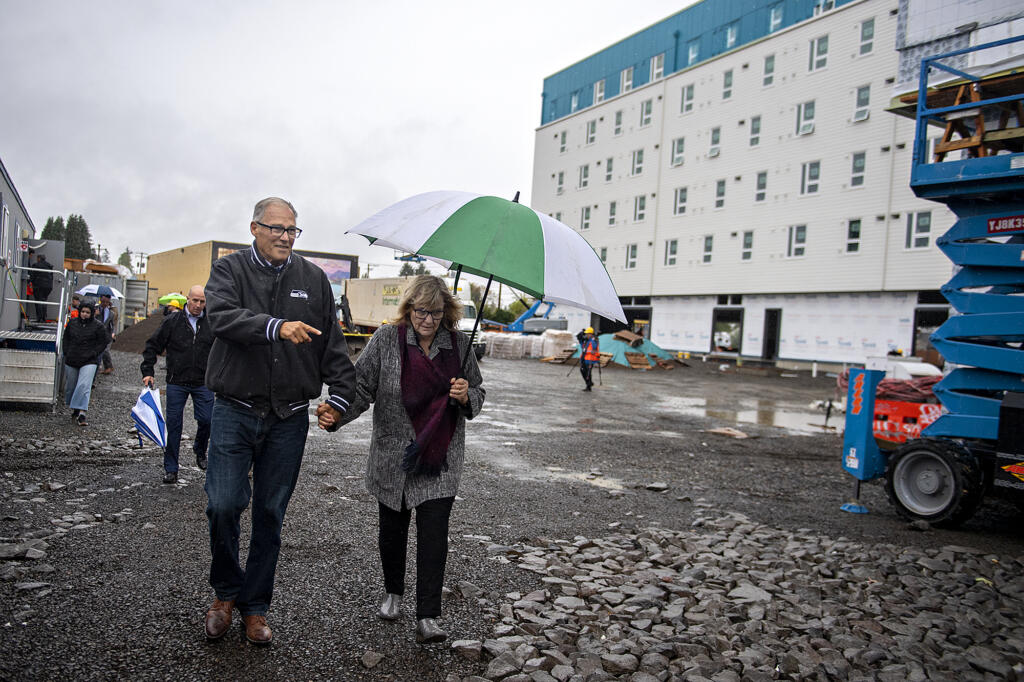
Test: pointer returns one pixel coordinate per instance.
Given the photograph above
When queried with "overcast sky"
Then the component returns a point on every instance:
(163, 122)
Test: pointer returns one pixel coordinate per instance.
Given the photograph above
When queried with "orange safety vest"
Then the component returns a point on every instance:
(590, 350)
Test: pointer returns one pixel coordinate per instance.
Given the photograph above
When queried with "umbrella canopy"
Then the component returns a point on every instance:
(167, 298)
(99, 290)
(494, 237)
(149, 417)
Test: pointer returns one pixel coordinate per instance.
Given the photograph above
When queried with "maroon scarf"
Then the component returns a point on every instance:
(425, 386)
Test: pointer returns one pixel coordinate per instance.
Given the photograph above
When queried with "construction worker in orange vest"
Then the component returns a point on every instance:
(589, 354)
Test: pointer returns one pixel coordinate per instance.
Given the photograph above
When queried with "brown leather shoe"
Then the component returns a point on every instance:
(218, 618)
(257, 631)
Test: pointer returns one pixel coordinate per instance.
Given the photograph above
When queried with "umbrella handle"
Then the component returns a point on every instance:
(469, 346)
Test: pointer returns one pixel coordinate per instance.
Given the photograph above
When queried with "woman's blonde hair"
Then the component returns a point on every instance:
(429, 292)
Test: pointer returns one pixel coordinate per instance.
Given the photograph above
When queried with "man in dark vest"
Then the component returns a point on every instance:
(187, 338)
(42, 285)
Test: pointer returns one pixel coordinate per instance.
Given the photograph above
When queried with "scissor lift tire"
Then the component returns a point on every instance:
(934, 480)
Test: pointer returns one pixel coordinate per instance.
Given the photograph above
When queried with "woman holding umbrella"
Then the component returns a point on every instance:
(85, 338)
(410, 370)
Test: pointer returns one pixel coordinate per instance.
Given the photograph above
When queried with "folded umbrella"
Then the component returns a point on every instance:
(149, 417)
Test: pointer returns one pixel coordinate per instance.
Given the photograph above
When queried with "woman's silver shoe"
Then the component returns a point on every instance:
(391, 607)
(429, 632)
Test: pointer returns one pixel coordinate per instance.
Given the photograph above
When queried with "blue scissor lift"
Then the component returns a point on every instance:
(976, 447)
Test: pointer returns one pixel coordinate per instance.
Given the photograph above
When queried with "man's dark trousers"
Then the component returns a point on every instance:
(202, 408)
(587, 369)
(272, 447)
(41, 308)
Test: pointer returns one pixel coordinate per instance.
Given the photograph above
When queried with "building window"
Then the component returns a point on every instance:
(585, 218)
(678, 145)
(727, 84)
(561, 142)
(639, 208)
(731, 34)
(608, 169)
(720, 194)
(679, 203)
(748, 245)
(638, 162)
(805, 118)
(709, 243)
(687, 104)
(657, 66)
(867, 35)
(612, 208)
(599, 91)
(810, 176)
(857, 174)
(671, 246)
(646, 112)
(584, 176)
(574, 102)
(818, 58)
(853, 235)
(591, 131)
(775, 19)
(919, 227)
(626, 79)
(755, 131)
(762, 186)
(630, 256)
(560, 186)
(618, 122)
(604, 254)
(558, 216)
(797, 241)
(716, 140)
(769, 70)
(863, 108)
(692, 52)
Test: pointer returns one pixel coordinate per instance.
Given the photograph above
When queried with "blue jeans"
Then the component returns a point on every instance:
(202, 408)
(272, 448)
(78, 386)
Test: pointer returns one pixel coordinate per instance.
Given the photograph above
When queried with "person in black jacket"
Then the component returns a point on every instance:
(42, 285)
(83, 341)
(186, 337)
(276, 343)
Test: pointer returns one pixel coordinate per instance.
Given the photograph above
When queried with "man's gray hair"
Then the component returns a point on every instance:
(261, 207)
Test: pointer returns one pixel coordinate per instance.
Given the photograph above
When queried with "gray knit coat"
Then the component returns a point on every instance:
(379, 381)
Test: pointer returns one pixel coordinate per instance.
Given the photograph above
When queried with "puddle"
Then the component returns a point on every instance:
(519, 468)
(761, 412)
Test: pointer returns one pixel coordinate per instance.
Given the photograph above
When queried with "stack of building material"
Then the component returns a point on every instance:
(556, 341)
(507, 346)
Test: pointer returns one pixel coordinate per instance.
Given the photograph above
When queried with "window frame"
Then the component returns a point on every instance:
(599, 91)
(818, 57)
(631, 251)
(915, 234)
(609, 164)
(686, 103)
(626, 80)
(613, 209)
(796, 242)
(671, 252)
(768, 70)
(707, 249)
(560, 182)
(591, 131)
(639, 208)
(851, 240)
(775, 18)
(761, 186)
(747, 246)
(862, 110)
(678, 152)
(732, 34)
(720, 193)
(585, 218)
(562, 142)
(657, 67)
(636, 166)
(583, 180)
(692, 52)
(867, 45)
(727, 81)
(805, 124)
(617, 129)
(603, 254)
(755, 135)
(646, 112)
(679, 198)
(857, 176)
(810, 177)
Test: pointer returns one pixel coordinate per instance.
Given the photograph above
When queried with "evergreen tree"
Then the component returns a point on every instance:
(422, 269)
(78, 241)
(54, 229)
(125, 259)
(406, 270)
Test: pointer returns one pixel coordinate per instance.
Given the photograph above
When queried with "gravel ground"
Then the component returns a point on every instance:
(108, 577)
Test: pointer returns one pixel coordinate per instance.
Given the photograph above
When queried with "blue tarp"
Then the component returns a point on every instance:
(607, 343)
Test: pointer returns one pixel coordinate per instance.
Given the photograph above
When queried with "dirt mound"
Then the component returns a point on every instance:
(133, 338)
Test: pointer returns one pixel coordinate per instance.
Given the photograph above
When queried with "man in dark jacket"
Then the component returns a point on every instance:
(42, 285)
(277, 342)
(186, 337)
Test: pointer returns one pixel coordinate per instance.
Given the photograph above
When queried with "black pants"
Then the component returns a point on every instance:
(586, 369)
(431, 551)
(41, 308)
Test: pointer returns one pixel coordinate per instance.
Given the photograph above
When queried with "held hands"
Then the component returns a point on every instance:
(459, 391)
(297, 332)
(148, 381)
(326, 416)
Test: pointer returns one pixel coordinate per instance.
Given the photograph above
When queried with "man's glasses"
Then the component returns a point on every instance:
(278, 230)
(422, 314)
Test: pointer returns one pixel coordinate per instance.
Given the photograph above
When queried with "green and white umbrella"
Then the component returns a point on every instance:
(500, 239)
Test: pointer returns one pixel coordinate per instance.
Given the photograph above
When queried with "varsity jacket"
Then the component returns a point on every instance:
(187, 351)
(247, 301)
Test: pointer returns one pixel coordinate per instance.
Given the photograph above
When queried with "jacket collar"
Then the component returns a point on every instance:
(262, 262)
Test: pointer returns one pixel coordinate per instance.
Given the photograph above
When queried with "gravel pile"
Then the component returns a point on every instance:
(733, 600)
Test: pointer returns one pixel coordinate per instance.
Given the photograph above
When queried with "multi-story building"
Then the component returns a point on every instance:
(736, 169)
